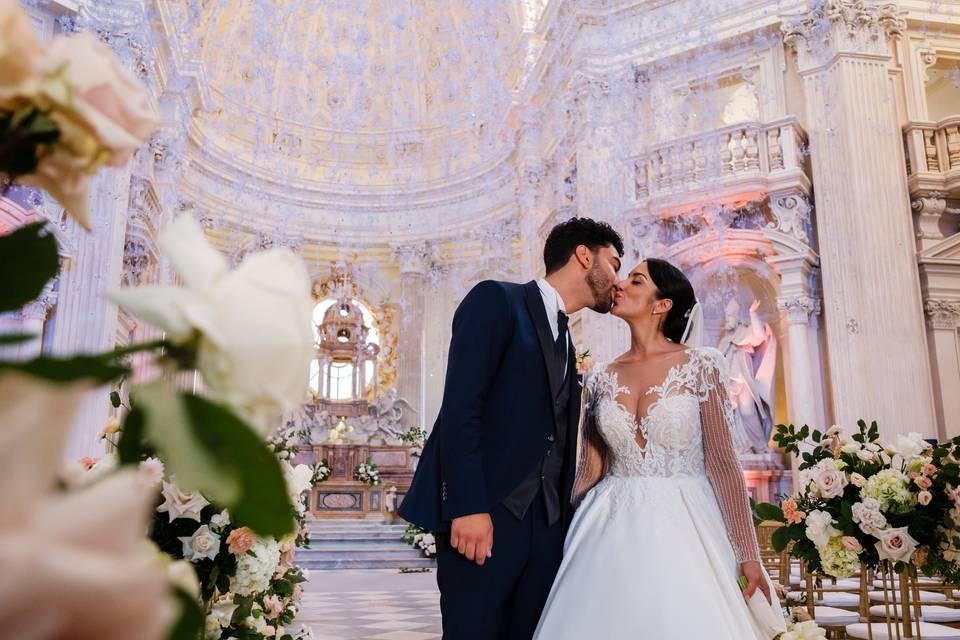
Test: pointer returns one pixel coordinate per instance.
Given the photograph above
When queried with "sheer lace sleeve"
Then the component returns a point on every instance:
(591, 449)
(722, 466)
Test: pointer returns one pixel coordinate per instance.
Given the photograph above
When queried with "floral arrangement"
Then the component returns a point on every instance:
(863, 502)
(415, 436)
(584, 361)
(285, 443)
(367, 472)
(321, 472)
(420, 539)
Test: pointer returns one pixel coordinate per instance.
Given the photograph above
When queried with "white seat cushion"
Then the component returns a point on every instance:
(925, 596)
(842, 583)
(927, 631)
(928, 612)
(833, 617)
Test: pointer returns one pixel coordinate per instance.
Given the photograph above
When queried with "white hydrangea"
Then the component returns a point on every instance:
(256, 567)
(892, 489)
(839, 561)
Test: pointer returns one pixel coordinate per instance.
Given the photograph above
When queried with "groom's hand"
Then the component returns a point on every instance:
(752, 571)
(472, 536)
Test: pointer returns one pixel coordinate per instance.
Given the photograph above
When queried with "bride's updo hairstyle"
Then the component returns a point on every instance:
(673, 285)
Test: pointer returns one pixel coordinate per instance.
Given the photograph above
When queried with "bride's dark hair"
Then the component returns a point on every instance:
(672, 284)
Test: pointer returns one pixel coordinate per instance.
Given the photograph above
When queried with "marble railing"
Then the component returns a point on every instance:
(932, 152)
(751, 156)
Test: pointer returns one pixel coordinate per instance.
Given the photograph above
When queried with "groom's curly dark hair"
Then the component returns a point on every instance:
(567, 236)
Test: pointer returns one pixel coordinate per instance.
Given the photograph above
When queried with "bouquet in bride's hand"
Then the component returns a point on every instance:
(863, 502)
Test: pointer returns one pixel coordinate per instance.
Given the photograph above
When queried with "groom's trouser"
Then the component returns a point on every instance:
(503, 599)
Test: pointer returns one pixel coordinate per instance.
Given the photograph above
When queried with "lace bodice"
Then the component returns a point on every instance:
(684, 432)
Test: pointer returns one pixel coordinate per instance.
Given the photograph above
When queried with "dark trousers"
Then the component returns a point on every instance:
(503, 599)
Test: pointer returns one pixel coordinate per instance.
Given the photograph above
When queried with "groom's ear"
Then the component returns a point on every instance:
(584, 256)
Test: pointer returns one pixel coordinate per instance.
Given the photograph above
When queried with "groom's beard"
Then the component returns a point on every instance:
(601, 287)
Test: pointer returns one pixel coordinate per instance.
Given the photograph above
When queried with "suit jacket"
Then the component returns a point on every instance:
(497, 419)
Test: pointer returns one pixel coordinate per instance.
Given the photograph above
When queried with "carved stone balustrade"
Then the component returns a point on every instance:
(735, 164)
(933, 156)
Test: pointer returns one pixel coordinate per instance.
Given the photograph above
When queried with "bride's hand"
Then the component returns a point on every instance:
(472, 536)
(753, 572)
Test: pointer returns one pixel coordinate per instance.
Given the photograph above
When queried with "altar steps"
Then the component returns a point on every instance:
(359, 544)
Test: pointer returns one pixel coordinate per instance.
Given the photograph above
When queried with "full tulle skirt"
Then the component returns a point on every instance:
(648, 557)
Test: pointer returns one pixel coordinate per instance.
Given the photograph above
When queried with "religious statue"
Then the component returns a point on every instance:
(750, 352)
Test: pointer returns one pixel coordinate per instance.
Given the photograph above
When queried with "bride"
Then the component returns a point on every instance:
(663, 528)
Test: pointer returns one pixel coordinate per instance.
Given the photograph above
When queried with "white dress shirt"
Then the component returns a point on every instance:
(554, 303)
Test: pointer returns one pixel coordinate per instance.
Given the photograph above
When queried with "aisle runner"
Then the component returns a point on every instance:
(372, 615)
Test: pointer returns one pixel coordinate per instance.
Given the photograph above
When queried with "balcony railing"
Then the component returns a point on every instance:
(932, 151)
(749, 158)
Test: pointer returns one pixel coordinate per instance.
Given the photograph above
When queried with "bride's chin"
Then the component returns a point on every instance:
(615, 310)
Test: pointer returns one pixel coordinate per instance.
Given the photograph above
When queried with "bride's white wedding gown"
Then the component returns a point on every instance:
(654, 546)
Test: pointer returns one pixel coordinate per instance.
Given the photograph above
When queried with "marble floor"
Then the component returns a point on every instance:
(371, 605)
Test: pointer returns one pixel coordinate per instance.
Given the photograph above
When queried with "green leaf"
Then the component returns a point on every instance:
(264, 506)
(28, 260)
(211, 450)
(170, 430)
(189, 626)
(16, 338)
(780, 538)
(115, 399)
(767, 511)
(99, 368)
(130, 448)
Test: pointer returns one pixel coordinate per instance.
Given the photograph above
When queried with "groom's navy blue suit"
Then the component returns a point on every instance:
(504, 444)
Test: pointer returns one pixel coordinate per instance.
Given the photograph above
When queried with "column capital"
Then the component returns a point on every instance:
(413, 258)
(799, 309)
(836, 27)
(942, 313)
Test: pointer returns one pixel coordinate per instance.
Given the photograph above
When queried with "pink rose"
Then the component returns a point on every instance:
(913, 475)
(924, 482)
(851, 543)
(240, 540)
(895, 544)
(272, 606)
(929, 470)
(89, 463)
(829, 480)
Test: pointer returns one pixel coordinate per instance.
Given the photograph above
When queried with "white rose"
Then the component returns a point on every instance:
(202, 544)
(256, 342)
(857, 480)
(181, 504)
(830, 481)
(820, 527)
(807, 630)
(895, 544)
(220, 520)
(910, 445)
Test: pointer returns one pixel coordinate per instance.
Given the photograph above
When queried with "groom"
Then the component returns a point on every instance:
(496, 473)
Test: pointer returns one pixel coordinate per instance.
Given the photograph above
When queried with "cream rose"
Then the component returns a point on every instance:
(253, 323)
(820, 528)
(924, 498)
(202, 544)
(895, 544)
(181, 504)
(857, 480)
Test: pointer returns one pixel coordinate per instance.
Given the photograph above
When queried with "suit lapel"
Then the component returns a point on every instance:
(538, 313)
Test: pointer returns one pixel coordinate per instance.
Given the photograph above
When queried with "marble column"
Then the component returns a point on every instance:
(872, 306)
(943, 337)
(413, 262)
(86, 322)
(33, 317)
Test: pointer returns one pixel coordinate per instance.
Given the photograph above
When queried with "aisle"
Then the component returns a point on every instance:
(371, 605)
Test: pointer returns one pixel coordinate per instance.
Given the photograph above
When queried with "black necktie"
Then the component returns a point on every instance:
(560, 345)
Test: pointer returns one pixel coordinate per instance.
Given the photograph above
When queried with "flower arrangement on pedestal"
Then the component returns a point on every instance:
(321, 471)
(367, 472)
(860, 502)
(420, 539)
(415, 437)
